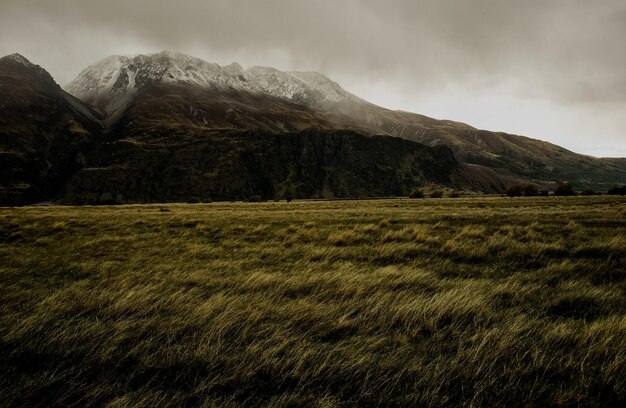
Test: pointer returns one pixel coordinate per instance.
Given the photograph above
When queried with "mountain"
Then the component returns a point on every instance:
(174, 141)
(44, 132)
(168, 127)
(113, 83)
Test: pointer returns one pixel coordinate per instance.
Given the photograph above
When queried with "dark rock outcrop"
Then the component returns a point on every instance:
(236, 165)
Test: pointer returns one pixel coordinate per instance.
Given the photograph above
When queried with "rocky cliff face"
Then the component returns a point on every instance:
(235, 165)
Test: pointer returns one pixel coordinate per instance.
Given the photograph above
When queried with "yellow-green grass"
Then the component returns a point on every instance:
(436, 302)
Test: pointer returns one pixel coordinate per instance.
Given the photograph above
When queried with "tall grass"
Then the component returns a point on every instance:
(471, 302)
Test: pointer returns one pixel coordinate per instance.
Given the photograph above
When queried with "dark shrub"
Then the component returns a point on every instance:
(565, 189)
(290, 192)
(108, 199)
(531, 190)
(15, 236)
(577, 307)
(417, 193)
(436, 194)
(544, 193)
(617, 190)
(255, 199)
(193, 200)
(454, 194)
(588, 192)
(516, 190)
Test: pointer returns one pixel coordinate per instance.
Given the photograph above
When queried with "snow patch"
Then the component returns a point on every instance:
(20, 59)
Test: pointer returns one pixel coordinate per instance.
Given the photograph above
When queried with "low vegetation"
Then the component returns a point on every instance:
(471, 301)
(436, 194)
(565, 189)
(417, 193)
(617, 190)
(519, 190)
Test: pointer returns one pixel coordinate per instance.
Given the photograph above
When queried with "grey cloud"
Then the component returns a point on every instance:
(544, 43)
(569, 52)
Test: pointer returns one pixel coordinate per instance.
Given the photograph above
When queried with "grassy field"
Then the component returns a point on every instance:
(436, 302)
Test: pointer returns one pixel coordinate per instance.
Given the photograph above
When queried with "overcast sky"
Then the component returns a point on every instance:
(550, 69)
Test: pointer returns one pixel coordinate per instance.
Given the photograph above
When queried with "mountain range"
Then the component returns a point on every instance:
(169, 127)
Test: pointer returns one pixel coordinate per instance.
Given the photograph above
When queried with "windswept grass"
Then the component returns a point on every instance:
(467, 302)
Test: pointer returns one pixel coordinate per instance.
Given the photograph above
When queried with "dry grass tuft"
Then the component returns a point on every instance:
(465, 302)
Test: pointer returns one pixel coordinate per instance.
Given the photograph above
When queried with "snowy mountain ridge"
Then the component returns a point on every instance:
(18, 58)
(112, 83)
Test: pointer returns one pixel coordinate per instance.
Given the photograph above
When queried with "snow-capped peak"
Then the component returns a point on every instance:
(18, 58)
(113, 82)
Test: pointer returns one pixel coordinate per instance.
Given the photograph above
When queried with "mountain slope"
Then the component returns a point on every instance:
(163, 106)
(114, 82)
(521, 156)
(510, 155)
(222, 124)
(44, 132)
